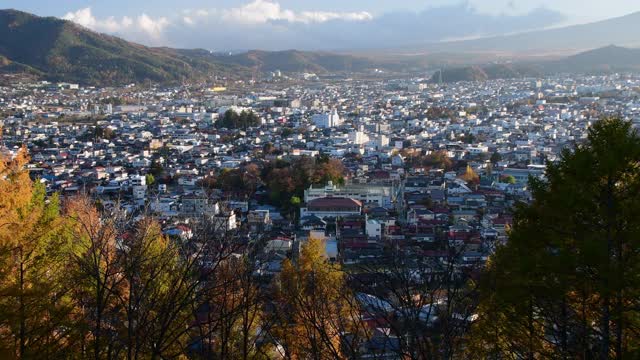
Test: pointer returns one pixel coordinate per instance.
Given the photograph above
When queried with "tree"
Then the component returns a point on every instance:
(332, 170)
(156, 168)
(496, 157)
(424, 301)
(98, 278)
(564, 284)
(149, 263)
(438, 159)
(508, 179)
(230, 180)
(313, 308)
(34, 301)
(250, 178)
(468, 138)
(233, 120)
(104, 133)
(149, 179)
(233, 320)
(470, 175)
(268, 148)
(281, 185)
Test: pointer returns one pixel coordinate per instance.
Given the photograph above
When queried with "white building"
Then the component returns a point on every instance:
(374, 229)
(379, 141)
(224, 222)
(138, 180)
(358, 137)
(327, 120)
(365, 193)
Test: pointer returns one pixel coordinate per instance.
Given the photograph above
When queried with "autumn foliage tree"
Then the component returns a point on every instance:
(314, 308)
(79, 283)
(98, 278)
(470, 176)
(230, 321)
(285, 180)
(33, 296)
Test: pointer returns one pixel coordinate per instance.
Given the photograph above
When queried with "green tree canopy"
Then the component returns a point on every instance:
(566, 284)
(233, 120)
(495, 157)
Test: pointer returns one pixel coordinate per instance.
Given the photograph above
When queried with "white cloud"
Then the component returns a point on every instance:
(143, 27)
(188, 20)
(82, 17)
(266, 24)
(153, 27)
(148, 30)
(263, 11)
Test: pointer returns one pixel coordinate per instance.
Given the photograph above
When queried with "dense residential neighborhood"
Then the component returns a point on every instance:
(371, 167)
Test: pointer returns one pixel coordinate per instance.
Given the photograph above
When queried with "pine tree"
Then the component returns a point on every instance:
(566, 284)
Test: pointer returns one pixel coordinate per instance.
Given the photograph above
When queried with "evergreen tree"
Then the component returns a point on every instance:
(566, 284)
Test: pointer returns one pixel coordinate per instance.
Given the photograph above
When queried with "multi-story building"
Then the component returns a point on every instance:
(365, 193)
(327, 120)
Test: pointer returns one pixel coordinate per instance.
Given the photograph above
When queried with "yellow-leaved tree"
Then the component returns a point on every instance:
(316, 312)
(470, 176)
(34, 301)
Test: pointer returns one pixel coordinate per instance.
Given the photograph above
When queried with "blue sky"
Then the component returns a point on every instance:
(576, 9)
(327, 24)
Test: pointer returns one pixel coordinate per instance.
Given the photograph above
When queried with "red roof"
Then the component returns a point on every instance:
(334, 202)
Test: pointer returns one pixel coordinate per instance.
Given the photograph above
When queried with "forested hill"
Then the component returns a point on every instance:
(60, 50)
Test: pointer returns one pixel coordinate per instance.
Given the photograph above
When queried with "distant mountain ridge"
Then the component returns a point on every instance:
(60, 50)
(624, 31)
(300, 61)
(605, 59)
(487, 72)
(598, 61)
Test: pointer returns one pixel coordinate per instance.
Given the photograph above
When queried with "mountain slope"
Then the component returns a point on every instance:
(610, 58)
(301, 61)
(61, 50)
(488, 72)
(597, 61)
(623, 30)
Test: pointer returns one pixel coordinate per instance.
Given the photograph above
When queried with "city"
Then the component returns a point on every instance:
(374, 214)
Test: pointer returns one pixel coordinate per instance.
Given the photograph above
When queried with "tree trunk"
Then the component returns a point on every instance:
(98, 327)
(23, 331)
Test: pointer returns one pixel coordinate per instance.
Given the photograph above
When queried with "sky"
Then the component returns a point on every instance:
(223, 25)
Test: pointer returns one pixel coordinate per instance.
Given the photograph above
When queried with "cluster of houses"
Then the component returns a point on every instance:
(153, 149)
